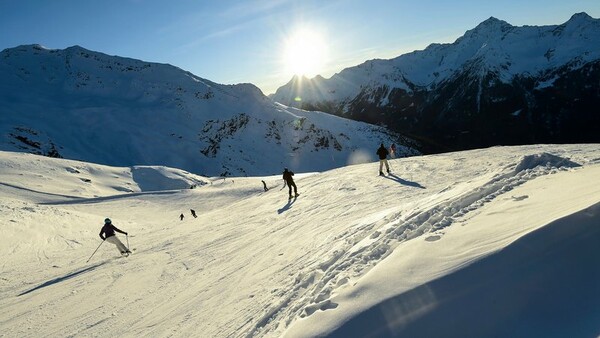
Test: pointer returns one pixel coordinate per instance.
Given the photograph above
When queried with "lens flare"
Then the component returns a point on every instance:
(305, 53)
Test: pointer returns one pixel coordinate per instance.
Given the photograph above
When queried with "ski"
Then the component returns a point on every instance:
(127, 254)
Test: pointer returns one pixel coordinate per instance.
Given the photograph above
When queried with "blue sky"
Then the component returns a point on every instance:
(230, 42)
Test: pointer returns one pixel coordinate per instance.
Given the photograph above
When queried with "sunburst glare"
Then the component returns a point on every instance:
(305, 53)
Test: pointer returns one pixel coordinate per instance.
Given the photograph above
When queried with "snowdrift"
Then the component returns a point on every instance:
(544, 284)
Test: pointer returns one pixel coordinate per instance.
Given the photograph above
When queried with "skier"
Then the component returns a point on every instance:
(393, 150)
(287, 177)
(181, 217)
(108, 234)
(383, 153)
(193, 213)
(265, 186)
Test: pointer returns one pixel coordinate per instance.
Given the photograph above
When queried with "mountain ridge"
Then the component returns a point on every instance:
(502, 68)
(86, 105)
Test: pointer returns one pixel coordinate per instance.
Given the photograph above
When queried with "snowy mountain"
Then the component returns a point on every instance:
(497, 84)
(500, 242)
(84, 105)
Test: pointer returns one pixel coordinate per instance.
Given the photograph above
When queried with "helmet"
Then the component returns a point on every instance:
(107, 220)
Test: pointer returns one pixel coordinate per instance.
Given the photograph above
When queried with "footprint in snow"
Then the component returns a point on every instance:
(323, 306)
(519, 198)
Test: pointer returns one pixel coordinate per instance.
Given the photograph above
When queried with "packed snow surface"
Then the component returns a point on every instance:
(493, 242)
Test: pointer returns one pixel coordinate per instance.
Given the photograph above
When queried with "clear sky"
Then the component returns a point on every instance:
(263, 42)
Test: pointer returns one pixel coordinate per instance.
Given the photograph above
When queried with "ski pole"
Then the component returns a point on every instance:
(94, 252)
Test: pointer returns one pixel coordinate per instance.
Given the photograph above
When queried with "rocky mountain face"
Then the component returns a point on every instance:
(85, 105)
(496, 85)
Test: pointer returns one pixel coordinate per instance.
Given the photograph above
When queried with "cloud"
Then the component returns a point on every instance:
(254, 8)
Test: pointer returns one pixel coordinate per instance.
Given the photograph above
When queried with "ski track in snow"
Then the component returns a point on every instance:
(308, 249)
(368, 243)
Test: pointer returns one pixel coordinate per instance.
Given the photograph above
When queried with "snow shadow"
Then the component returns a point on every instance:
(38, 192)
(109, 198)
(62, 278)
(545, 284)
(287, 206)
(402, 181)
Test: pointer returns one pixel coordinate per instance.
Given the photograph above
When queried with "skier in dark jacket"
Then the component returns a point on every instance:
(383, 153)
(287, 177)
(193, 213)
(108, 234)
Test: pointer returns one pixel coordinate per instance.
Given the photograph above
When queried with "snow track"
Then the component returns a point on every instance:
(362, 247)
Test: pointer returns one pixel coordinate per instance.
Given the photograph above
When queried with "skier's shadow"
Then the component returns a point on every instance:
(62, 278)
(404, 182)
(287, 206)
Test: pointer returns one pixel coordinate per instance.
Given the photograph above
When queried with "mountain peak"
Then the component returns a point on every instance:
(582, 15)
(579, 18)
(33, 46)
(492, 23)
(489, 27)
(77, 48)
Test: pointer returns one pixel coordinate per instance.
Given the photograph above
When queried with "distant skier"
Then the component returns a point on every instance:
(265, 186)
(193, 213)
(181, 217)
(393, 150)
(383, 153)
(287, 177)
(108, 234)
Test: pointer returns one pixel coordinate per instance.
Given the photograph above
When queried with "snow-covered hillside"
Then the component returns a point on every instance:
(493, 242)
(89, 106)
(498, 84)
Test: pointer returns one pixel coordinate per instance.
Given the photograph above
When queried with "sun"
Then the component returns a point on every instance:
(305, 53)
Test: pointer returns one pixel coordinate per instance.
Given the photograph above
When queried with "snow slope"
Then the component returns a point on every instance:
(493, 242)
(79, 104)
